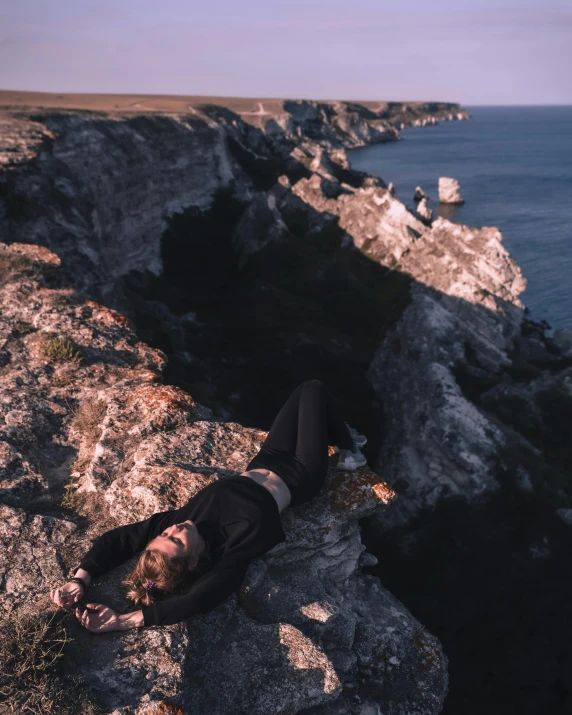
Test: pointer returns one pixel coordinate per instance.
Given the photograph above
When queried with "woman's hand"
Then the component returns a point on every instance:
(67, 595)
(99, 618)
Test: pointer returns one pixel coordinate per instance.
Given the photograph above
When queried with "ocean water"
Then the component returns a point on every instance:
(514, 166)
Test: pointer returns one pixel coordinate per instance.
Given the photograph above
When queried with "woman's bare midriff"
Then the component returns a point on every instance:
(275, 485)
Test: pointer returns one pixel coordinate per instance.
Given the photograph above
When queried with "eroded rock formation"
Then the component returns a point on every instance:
(423, 211)
(449, 191)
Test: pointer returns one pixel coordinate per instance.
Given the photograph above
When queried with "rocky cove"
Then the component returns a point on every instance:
(168, 273)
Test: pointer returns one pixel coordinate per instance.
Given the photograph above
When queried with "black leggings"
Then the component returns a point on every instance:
(296, 447)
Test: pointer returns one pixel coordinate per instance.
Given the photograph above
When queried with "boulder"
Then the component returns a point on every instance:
(563, 340)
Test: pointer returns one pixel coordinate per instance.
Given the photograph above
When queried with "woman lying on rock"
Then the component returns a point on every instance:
(225, 525)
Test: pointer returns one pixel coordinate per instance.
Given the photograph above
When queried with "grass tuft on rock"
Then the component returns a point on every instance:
(31, 681)
(15, 264)
(56, 349)
(87, 421)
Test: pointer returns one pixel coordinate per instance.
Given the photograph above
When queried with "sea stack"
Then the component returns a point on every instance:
(423, 211)
(449, 191)
(419, 194)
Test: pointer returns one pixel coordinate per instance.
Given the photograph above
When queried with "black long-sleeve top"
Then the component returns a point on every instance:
(236, 516)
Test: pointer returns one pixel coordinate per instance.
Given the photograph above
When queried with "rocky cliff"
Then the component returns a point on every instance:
(83, 398)
(239, 244)
(103, 185)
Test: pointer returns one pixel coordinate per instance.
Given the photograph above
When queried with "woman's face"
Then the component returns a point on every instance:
(181, 540)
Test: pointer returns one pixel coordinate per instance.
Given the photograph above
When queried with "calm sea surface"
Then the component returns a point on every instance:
(514, 165)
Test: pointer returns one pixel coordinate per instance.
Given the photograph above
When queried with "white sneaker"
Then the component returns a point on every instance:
(350, 461)
(359, 439)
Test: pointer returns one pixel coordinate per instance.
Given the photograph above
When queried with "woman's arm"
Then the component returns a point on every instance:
(84, 575)
(72, 591)
(107, 551)
(209, 591)
(218, 583)
(98, 618)
(117, 545)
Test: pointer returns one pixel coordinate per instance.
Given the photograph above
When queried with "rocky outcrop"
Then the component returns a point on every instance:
(465, 294)
(311, 629)
(449, 191)
(465, 310)
(84, 196)
(419, 194)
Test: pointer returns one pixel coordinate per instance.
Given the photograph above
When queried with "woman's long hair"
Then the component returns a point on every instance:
(157, 574)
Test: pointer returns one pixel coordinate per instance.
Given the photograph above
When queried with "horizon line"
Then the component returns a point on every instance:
(298, 98)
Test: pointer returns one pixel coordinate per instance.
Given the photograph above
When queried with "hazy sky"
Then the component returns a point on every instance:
(479, 52)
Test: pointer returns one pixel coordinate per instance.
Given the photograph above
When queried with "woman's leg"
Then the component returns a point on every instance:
(307, 423)
(297, 444)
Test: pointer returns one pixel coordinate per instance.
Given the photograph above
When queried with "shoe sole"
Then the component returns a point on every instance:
(350, 469)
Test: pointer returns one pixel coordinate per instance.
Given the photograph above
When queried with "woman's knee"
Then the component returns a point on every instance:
(314, 383)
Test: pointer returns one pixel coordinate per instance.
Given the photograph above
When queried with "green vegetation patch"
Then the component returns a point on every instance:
(31, 678)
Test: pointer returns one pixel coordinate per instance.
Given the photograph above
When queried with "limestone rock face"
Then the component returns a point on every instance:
(449, 191)
(176, 163)
(306, 629)
(446, 443)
